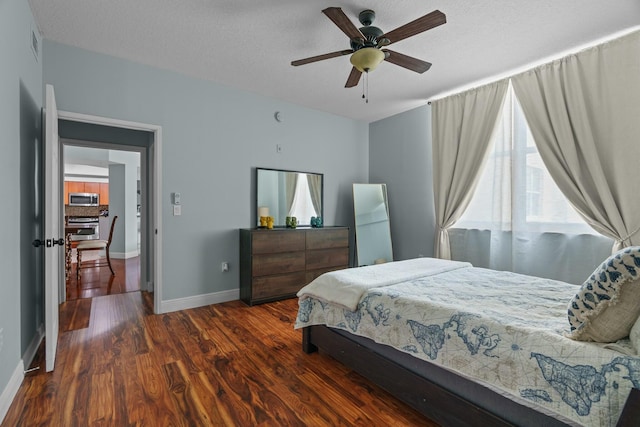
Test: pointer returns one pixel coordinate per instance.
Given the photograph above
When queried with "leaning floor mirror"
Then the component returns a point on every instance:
(373, 229)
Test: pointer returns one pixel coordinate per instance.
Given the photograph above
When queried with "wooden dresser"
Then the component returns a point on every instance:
(276, 264)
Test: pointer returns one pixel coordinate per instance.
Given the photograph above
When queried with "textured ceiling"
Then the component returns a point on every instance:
(250, 44)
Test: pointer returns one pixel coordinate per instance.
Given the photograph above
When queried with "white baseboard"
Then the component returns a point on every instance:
(10, 391)
(30, 352)
(124, 255)
(199, 300)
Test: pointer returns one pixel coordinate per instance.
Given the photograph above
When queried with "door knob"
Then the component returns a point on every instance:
(48, 243)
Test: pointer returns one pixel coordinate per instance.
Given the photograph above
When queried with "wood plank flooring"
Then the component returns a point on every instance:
(99, 281)
(227, 364)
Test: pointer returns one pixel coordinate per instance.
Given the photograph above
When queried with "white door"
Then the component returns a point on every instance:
(54, 244)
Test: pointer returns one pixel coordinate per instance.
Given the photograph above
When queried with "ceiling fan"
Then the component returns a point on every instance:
(367, 42)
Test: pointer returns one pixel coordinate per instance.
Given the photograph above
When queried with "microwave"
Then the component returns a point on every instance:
(84, 199)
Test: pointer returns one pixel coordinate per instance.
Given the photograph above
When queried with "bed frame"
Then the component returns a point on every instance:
(437, 393)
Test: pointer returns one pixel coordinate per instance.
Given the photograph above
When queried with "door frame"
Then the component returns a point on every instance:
(154, 213)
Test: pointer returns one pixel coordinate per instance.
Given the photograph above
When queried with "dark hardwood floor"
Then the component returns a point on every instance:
(220, 365)
(99, 281)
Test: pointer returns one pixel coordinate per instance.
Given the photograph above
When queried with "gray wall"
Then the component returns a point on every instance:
(400, 156)
(20, 130)
(123, 200)
(213, 136)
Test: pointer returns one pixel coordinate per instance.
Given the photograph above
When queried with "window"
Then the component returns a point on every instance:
(515, 190)
(534, 192)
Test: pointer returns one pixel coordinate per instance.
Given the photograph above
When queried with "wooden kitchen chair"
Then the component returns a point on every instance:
(95, 245)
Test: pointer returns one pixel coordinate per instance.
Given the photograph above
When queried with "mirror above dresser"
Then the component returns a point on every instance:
(286, 193)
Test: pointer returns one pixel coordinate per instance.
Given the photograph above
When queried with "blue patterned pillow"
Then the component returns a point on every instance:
(608, 303)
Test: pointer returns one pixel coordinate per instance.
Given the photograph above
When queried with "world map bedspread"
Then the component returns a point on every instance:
(502, 329)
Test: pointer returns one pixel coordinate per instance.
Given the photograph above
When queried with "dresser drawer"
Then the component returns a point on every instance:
(324, 258)
(268, 264)
(273, 241)
(323, 238)
(278, 286)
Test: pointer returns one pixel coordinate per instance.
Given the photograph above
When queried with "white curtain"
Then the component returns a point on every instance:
(291, 183)
(462, 129)
(315, 190)
(518, 220)
(584, 114)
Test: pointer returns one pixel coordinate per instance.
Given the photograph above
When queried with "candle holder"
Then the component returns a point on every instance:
(263, 212)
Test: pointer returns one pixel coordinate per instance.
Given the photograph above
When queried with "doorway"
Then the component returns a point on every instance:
(99, 133)
(100, 186)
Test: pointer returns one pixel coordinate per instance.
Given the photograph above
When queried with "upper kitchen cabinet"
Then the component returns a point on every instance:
(74, 187)
(104, 193)
(92, 187)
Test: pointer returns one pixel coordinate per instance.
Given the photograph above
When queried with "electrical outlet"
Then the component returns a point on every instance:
(224, 267)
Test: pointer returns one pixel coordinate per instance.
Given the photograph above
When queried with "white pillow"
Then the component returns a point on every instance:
(634, 336)
(608, 302)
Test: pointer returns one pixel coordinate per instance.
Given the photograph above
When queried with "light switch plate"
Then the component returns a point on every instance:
(177, 210)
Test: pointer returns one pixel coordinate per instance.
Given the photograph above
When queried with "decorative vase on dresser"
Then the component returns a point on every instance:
(276, 264)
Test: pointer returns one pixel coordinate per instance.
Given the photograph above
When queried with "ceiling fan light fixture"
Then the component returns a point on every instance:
(367, 59)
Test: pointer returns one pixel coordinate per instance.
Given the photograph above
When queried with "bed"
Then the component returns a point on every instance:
(471, 346)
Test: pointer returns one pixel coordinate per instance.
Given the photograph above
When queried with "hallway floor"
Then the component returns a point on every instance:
(98, 281)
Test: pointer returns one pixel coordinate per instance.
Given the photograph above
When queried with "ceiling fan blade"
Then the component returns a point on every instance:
(321, 57)
(408, 62)
(425, 23)
(340, 19)
(354, 78)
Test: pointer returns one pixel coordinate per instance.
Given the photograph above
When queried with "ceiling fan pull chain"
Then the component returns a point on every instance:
(365, 87)
(367, 77)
